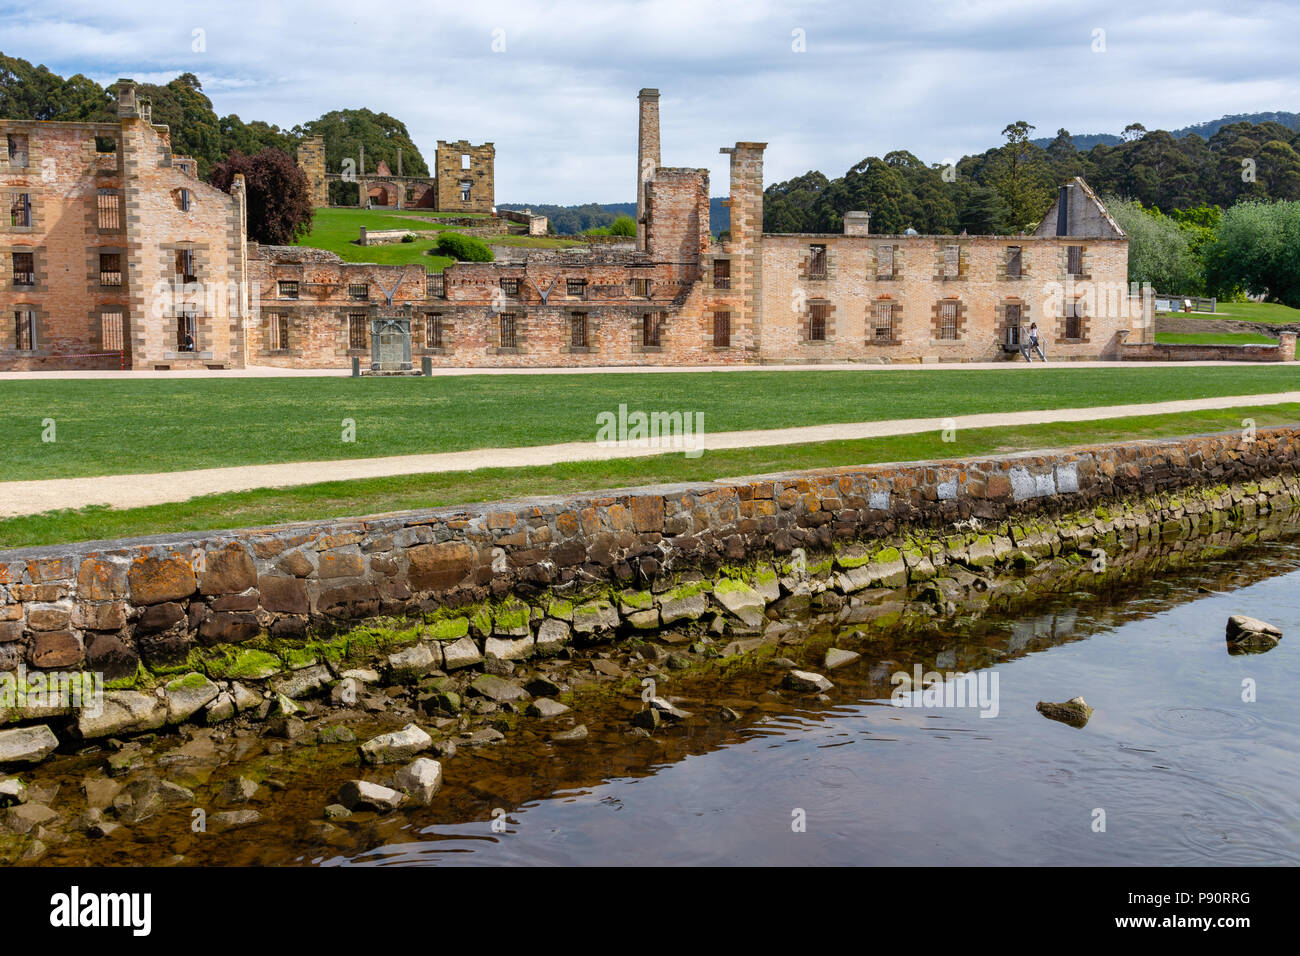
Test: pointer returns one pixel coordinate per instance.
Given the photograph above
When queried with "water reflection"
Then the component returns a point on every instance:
(1180, 768)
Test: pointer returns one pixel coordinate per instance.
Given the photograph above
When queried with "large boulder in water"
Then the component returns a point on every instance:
(1250, 635)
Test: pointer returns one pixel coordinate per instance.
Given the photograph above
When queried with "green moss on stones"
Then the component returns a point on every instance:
(449, 629)
(636, 600)
(190, 681)
(510, 615)
(244, 664)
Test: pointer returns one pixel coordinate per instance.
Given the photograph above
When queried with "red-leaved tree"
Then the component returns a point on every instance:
(279, 204)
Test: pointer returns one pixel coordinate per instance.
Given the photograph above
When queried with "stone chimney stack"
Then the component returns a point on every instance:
(857, 223)
(126, 104)
(647, 155)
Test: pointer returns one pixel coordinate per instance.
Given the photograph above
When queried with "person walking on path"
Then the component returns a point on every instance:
(1033, 344)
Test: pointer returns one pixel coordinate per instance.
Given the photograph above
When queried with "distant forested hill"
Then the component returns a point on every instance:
(1086, 141)
(570, 220)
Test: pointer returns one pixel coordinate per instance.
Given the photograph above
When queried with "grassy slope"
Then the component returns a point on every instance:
(1273, 312)
(122, 426)
(330, 499)
(1213, 338)
(336, 230)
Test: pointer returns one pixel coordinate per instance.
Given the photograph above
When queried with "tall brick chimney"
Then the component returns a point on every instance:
(647, 154)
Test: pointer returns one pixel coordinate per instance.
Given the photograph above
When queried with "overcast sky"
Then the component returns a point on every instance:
(825, 84)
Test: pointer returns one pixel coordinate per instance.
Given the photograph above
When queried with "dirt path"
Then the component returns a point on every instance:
(133, 491)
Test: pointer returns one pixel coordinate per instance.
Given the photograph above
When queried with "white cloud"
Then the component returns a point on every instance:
(939, 79)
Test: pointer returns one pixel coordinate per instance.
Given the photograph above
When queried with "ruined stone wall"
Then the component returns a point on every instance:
(677, 216)
(1284, 351)
(311, 160)
(107, 606)
(852, 288)
(318, 334)
(450, 172)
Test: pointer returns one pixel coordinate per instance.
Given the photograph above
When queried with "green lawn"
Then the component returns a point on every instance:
(336, 230)
(120, 426)
(1273, 312)
(370, 496)
(1213, 338)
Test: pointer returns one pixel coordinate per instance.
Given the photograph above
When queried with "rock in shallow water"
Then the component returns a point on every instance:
(1252, 633)
(395, 747)
(1074, 711)
(420, 779)
(27, 744)
(807, 682)
(364, 795)
(838, 658)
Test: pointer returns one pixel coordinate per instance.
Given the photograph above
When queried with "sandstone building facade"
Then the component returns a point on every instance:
(680, 296)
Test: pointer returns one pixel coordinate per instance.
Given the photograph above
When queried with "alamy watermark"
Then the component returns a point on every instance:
(78, 690)
(666, 431)
(949, 689)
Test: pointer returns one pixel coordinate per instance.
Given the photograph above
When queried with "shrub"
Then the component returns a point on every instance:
(408, 238)
(463, 248)
(623, 226)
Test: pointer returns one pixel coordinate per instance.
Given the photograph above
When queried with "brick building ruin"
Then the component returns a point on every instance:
(463, 179)
(111, 250)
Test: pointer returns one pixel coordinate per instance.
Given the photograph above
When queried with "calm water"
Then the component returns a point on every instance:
(1185, 770)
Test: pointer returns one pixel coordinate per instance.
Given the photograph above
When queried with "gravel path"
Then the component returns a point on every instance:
(131, 491)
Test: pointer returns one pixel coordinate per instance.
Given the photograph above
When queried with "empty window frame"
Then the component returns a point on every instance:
(884, 262)
(578, 330)
(279, 331)
(510, 286)
(651, 330)
(20, 210)
(882, 322)
(948, 312)
(1014, 313)
(18, 153)
(465, 191)
(722, 273)
(575, 287)
(183, 199)
(721, 330)
(951, 261)
(110, 269)
(509, 331)
(433, 330)
(185, 264)
(817, 314)
(357, 331)
(434, 286)
(1074, 320)
(24, 330)
(359, 291)
(464, 160)
(817, 262)
(24, 268)
(110, 209)
(110, 331)
(288, 289)
(1074, 260)
(1014, 260)
(187, 330)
